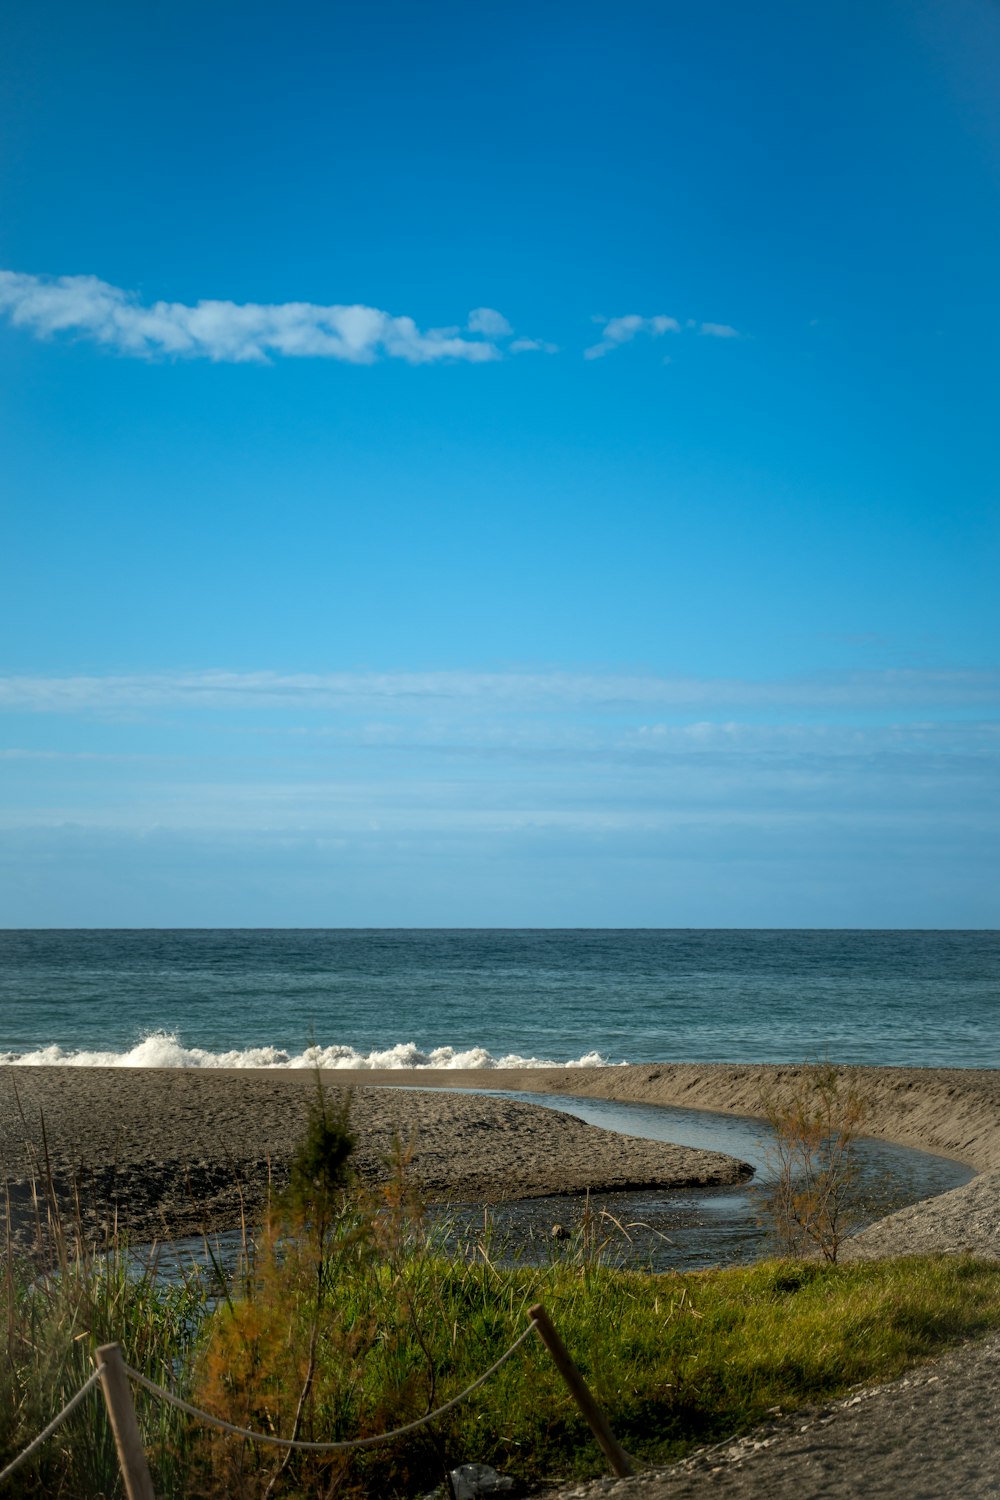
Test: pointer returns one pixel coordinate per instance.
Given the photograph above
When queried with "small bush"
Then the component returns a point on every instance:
(810, 1195)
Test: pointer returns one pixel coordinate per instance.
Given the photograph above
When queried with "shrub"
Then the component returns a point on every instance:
(810, 1194)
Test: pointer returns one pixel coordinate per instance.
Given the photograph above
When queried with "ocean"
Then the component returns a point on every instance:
(492, 998)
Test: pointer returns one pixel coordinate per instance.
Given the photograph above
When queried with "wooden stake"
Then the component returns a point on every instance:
(121, 1410)
(613, 1451)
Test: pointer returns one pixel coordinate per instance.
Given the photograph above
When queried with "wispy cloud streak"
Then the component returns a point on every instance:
(551, 690)
(619, 331)
(719, 331)
(361, 793)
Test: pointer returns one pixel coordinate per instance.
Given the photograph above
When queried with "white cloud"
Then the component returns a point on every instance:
(533, 346)
(487, 320)
(622, 330)
(86, 307)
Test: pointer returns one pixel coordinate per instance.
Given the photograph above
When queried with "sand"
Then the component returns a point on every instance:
(952, 1111)
(171, 1151)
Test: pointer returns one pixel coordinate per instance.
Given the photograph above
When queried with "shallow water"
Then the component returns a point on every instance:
(680, 1229)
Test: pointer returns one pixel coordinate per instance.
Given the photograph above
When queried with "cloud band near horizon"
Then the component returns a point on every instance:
(507, 798)
(900, 687)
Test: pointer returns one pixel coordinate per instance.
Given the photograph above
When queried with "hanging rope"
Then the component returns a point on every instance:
(47, 1432)
(342, 1447)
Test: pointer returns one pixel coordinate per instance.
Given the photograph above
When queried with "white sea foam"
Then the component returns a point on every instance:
(163, 1049)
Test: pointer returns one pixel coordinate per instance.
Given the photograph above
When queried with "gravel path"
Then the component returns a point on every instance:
(934, 1435)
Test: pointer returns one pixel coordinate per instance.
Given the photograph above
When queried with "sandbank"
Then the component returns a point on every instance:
(948, 1111)
(951, 1111)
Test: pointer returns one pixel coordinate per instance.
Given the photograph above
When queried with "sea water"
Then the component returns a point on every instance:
(493, 998)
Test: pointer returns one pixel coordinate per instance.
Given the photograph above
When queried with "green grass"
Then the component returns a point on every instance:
(53, 1321)
(677, 1361)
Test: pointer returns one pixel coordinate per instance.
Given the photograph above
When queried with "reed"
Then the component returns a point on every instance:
(55, 1317)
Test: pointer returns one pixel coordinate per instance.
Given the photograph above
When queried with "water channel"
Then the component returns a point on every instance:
(677, 1229)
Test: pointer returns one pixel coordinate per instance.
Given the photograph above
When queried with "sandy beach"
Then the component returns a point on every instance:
(175, 1150)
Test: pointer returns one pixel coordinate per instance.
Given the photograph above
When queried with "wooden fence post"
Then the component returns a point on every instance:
(121, 1410)
(613, 1450)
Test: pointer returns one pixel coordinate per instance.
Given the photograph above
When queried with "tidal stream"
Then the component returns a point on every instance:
(680, 1229)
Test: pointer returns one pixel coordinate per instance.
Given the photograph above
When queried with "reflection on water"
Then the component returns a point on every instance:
(685, 1229)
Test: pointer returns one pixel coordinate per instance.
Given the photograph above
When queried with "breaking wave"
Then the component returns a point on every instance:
(163, 1049)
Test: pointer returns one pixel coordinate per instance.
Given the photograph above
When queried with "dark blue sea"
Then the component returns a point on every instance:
(427, 998)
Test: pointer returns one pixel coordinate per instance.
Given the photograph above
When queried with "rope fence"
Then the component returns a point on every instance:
(54, 1425)
(348, 1444)
(114, 1374)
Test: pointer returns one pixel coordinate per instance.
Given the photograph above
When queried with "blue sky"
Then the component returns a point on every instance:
(499, 465)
